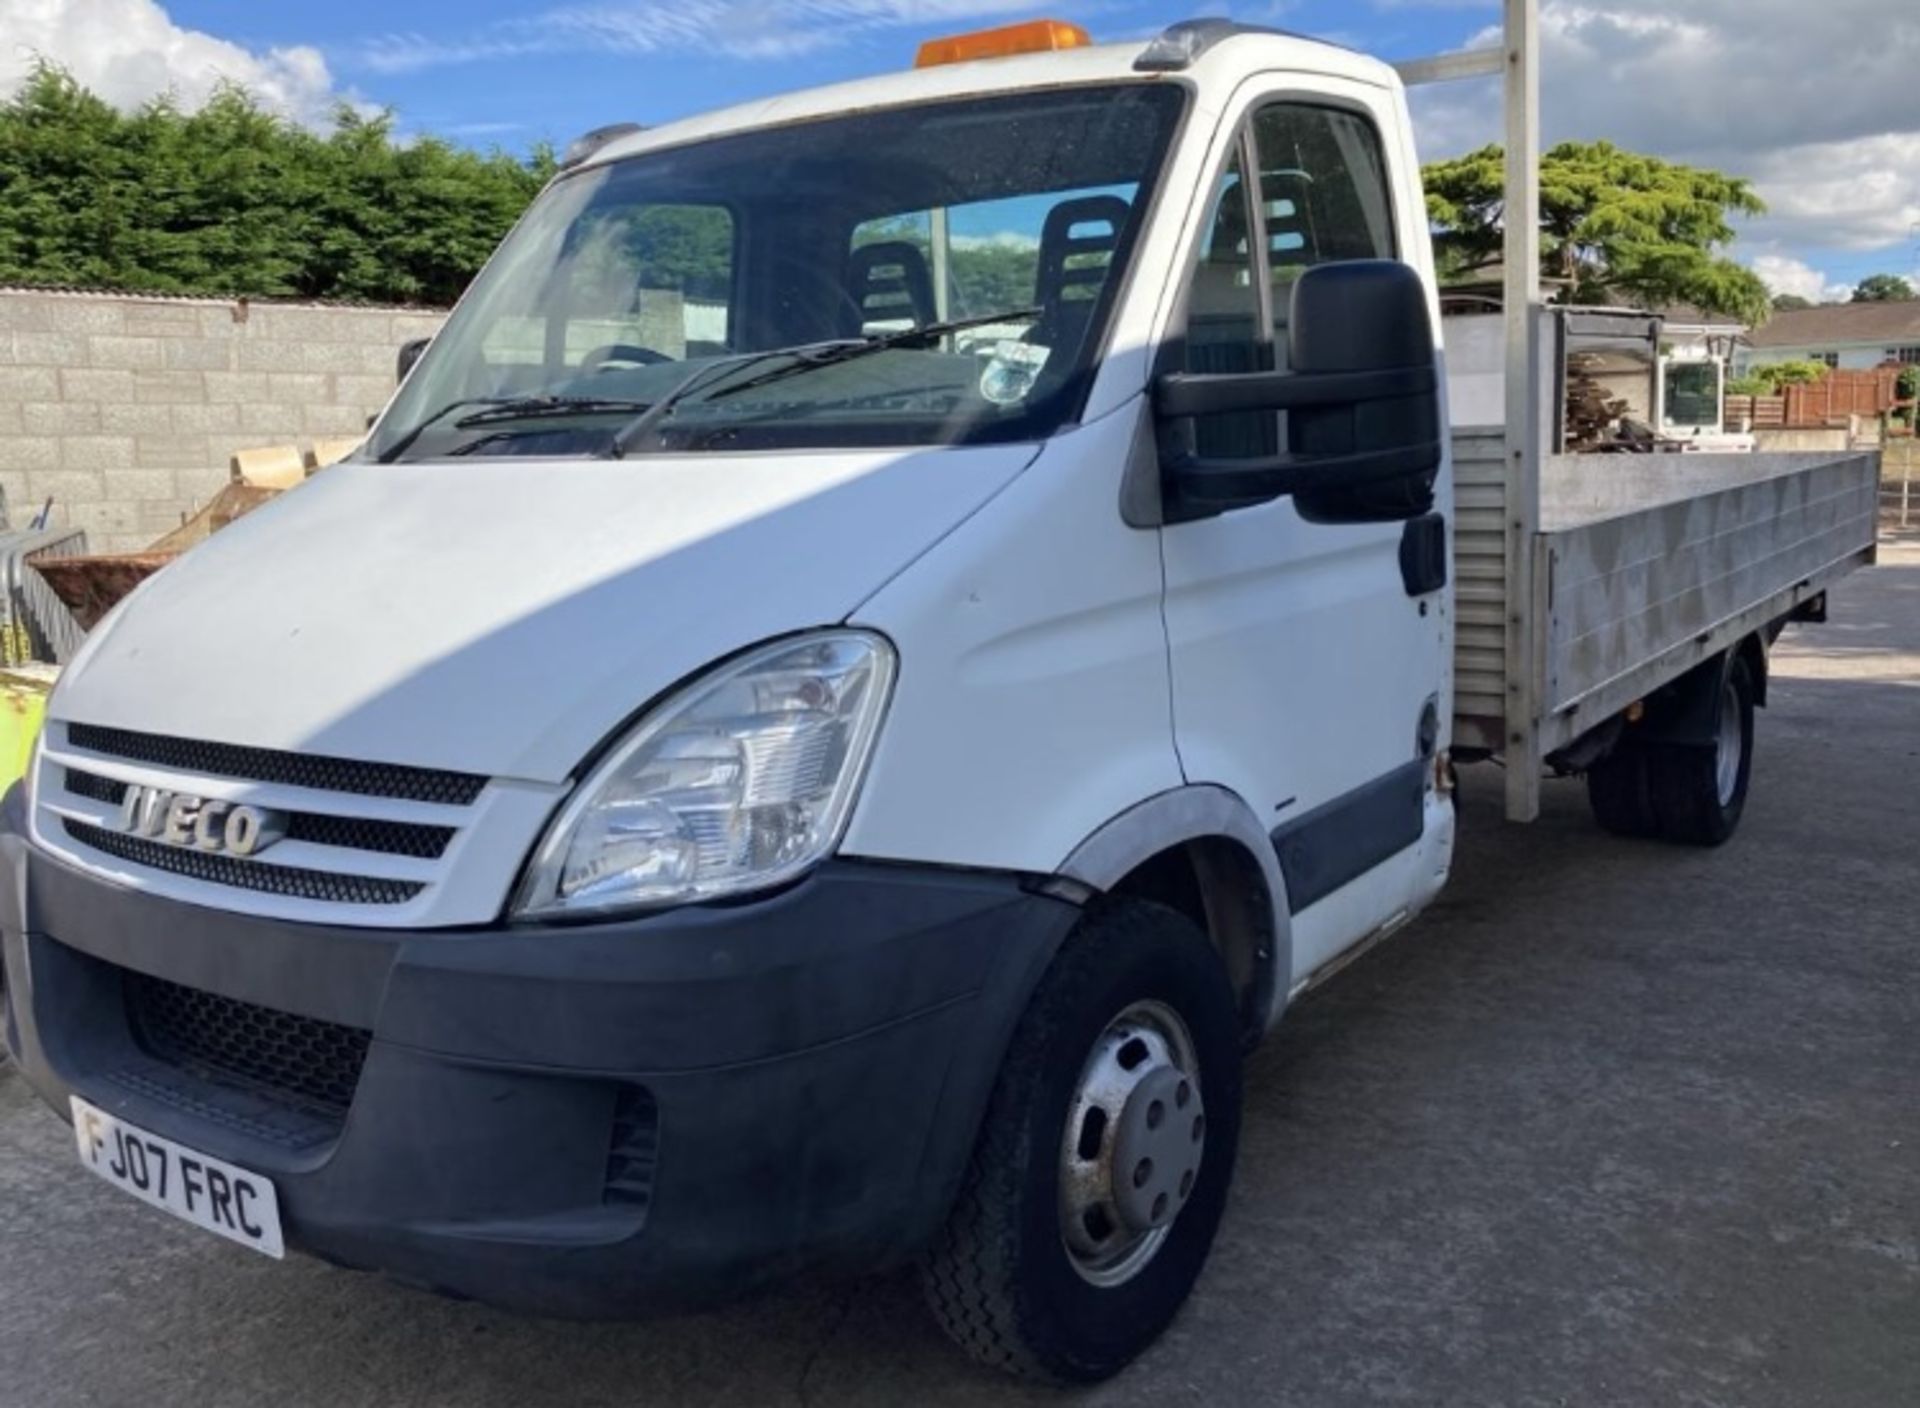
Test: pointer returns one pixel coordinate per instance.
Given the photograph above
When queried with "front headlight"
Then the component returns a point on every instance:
(741, 780)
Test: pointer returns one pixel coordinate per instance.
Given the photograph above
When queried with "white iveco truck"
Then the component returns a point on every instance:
(893, 631)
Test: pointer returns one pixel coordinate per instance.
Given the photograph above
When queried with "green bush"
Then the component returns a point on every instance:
(232, 199)
(1768, 379)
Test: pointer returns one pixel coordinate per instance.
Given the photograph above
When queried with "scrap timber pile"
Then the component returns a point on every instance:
(1592, 417)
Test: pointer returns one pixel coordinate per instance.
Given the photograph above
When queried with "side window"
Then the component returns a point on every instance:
(1323, 193)
(1223, 321)
(1322, 197)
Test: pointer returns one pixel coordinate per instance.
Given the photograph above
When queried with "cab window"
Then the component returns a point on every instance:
(1322, 197)
(1224, 322)
(1323, 194)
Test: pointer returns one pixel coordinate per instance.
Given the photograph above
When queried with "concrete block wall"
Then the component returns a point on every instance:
(126, 408)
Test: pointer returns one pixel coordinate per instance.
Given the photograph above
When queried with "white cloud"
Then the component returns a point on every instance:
(1815, 103)
(129, 51)
(1782, 273)
(741, 29)
(1862, 194)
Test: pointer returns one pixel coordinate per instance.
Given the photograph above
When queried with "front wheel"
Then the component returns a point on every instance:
(1102, 1166)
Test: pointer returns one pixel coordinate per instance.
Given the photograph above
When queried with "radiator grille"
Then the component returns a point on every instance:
(92, 785)
(293, 769)
(301, 1060)
(292, 880)
(396, 838)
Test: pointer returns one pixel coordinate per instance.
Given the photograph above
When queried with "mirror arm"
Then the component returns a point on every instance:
(410, 352)
(1229, 481)
(1180, 394)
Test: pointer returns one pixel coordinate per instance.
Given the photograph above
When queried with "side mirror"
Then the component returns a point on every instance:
(410, 352)
(1361, 394)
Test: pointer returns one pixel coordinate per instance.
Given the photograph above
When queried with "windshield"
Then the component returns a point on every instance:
(765, 290)
(1693, 394)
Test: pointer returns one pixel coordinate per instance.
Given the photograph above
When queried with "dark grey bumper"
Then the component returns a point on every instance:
(606, 1119)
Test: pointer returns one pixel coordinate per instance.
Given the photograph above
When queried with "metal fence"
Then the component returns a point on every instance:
(34, 623)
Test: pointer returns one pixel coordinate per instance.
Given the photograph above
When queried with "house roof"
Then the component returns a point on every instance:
(1687, 316)
(1835, 324)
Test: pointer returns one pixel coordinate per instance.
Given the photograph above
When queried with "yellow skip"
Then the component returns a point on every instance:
(23, 709)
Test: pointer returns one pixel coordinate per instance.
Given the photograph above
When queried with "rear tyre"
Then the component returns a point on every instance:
(1103, 1162)
(1618, 792)
(1699, 791)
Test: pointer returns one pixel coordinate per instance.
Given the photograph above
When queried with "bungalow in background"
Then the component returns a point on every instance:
(1848, 336)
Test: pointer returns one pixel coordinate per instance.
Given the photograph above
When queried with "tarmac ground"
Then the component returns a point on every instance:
(1614, 1123)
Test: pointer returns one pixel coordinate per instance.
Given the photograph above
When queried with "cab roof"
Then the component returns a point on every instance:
(1225, 54)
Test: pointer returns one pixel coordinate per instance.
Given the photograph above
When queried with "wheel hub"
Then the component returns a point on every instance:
(1727, 746)
(1130, 1154)
(1157, 1156)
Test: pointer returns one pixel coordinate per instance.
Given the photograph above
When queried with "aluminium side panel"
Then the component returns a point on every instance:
(1636, 597)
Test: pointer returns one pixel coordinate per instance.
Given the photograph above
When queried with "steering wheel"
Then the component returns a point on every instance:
(597, 359)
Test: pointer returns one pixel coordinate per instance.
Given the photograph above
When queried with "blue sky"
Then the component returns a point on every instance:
(1818, 104)
(428, 58)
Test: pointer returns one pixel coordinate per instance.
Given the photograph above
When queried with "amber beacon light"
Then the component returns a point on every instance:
(1032, 37)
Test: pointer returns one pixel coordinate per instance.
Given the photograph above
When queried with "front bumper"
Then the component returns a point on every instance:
(606, 1119)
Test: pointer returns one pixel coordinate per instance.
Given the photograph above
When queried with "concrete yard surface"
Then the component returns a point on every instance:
(1615, 1124)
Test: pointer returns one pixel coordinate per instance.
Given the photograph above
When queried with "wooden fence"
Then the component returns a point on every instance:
(1756, 412)
(1813, 404)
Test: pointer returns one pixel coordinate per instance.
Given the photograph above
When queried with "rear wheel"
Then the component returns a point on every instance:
(1103, 1162)
(1699, 791)
(1618, 792)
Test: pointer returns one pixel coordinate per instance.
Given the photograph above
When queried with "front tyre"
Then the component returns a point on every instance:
(1104, 1159)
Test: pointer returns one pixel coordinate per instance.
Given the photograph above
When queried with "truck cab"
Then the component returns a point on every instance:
(891, 633)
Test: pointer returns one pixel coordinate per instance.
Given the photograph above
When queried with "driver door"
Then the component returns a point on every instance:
(1307, 674)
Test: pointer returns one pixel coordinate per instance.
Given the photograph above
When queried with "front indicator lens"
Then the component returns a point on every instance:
(741, 781)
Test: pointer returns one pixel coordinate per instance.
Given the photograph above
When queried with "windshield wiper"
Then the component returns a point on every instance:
(507, 408)
(405, 442)
(534, 407)
(806, 356)
(832, 354)
(704, 374)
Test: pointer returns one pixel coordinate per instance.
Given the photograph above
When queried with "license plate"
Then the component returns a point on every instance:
(210, 1193)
